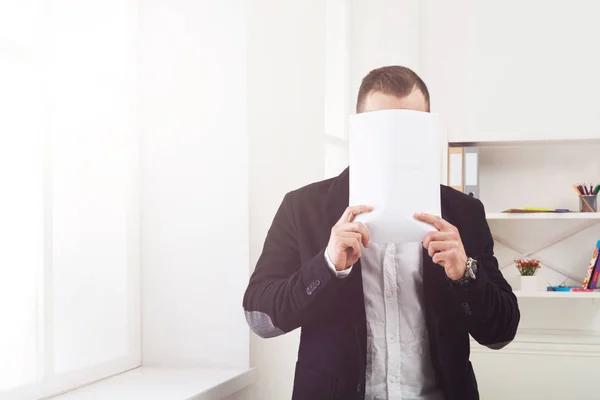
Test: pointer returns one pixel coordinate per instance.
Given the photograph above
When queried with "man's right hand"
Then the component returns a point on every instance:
(346, 236)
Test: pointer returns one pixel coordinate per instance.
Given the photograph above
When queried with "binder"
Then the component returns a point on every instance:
(471, 171)
(455, 168)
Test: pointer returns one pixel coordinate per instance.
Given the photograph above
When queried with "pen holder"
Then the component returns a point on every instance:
(588, 203)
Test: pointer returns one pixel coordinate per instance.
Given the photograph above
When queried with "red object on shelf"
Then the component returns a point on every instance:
(592, 268)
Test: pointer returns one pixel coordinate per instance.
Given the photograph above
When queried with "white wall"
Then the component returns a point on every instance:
(382, 32)
(285, 122)
(194, 153)
(446, 60)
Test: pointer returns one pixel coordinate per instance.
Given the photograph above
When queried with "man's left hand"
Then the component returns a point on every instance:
(445, 246)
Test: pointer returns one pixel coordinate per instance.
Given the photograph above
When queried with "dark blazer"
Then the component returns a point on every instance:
(293, 287)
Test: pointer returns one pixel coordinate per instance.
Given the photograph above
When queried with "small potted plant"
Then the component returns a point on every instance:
(528, 268)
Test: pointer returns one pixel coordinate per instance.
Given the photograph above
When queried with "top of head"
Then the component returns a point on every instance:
(392, 87)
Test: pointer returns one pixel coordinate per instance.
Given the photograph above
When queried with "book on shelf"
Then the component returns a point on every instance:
(594, 279)
(591, 278)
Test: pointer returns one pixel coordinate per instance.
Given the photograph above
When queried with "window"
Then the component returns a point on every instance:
(21, 217)
(69, 223)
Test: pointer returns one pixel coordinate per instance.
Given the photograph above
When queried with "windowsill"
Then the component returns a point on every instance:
(167, 384)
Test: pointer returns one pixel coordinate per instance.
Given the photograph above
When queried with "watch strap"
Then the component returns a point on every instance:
(470, 273)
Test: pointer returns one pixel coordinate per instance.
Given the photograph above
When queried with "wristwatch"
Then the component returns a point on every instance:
(470, 273)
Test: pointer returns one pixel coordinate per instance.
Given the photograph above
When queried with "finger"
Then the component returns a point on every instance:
(443, 257)
(438, 222)
(436, 247)
(357, 227)
(351, 243)
(441, 263)
(364, 232)
(349, 227)
(438, 236)
(353, 211)
(353, 235)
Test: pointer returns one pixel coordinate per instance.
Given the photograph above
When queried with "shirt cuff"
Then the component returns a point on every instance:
(338, 274)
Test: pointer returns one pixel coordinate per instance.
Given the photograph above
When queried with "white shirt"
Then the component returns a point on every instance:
(398, 360)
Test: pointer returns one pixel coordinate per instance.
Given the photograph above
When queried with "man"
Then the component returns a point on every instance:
(381, 321)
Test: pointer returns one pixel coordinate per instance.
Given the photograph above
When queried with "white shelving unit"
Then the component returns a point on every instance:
(547, 342)
(543, 215)
(557, 295)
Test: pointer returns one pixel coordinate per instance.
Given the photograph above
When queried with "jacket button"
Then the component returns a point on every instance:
(466, 308)
(359, 388)
(312, 287)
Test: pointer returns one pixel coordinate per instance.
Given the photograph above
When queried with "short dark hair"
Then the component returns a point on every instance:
(394, 80)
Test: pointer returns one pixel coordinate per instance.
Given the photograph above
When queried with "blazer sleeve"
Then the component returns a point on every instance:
(488, 304)
(285, 293)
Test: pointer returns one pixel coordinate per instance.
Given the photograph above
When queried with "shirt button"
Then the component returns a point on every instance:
(393, 337)
(389, 295)
(393, 379)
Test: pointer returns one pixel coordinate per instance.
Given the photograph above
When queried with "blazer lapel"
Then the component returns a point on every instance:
(432, 272)
(337, 197)
(434, 279)
(334, 204)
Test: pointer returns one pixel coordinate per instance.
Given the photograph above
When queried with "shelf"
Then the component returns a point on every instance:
(560, 342)
(558, 295)
(543, 215)
(591, 139)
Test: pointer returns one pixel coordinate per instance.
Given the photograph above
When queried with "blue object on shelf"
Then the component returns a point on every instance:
(558, 288)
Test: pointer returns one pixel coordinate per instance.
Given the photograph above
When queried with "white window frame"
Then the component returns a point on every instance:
(337, 86)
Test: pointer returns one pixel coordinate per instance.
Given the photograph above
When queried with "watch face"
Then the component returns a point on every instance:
(470, 274)
(471, 268)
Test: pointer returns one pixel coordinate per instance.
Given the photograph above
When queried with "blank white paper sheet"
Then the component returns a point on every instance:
(395, 162)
